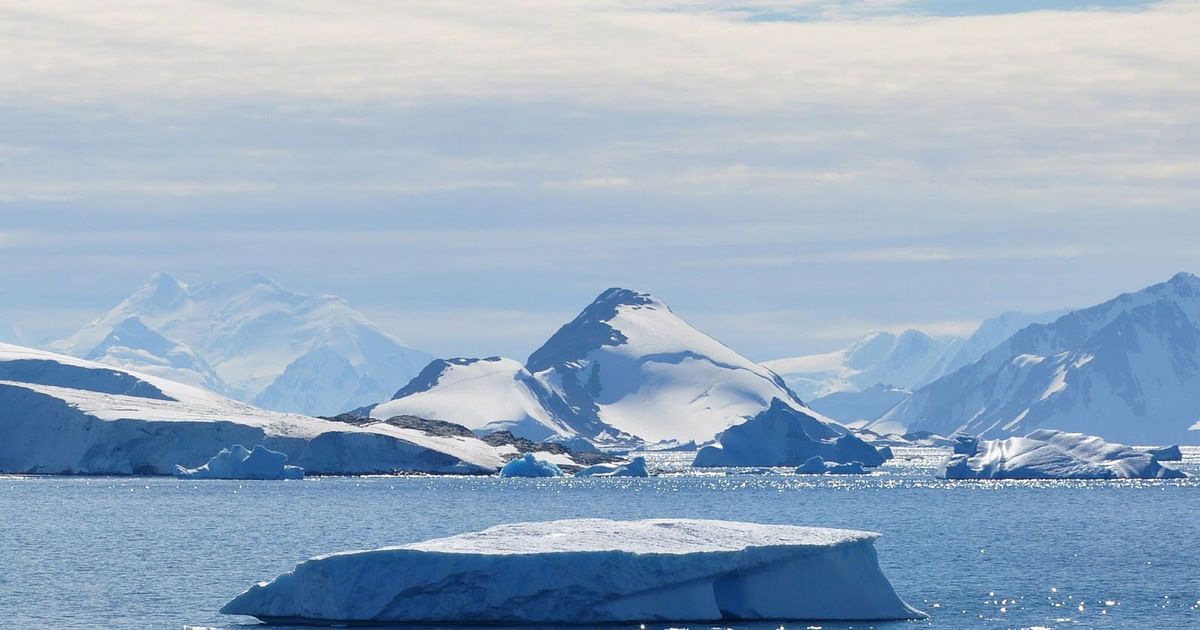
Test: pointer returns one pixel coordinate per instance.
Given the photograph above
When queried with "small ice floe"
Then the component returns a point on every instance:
(1050, 454)
(239, 463)
(635, 467)
(591, 571)
(529, 466)
(816, 465)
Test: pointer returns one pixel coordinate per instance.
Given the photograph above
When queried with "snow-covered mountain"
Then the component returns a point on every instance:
(60, 414)
(484, 395)
(279, 349)
(853, 408)
(1127, 370)
(627, 369)
(134, 346)
(993, 332)
(907, 360)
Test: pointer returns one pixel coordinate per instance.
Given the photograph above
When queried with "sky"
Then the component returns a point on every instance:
(786, 174)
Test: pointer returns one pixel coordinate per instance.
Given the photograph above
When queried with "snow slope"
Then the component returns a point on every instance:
(1048, 454)
(277, 348)
(906, 360)
(484, 395)
(60, 414)
(628, 365)
(591, 571)
(624, 371)
(1127, 370)
(133, 346)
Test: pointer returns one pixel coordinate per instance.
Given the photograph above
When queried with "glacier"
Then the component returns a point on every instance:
(635, 467)
(528, 465)
(1050, 454)
(238, 463)
(62, 415)
(783, 436)
(591, 571)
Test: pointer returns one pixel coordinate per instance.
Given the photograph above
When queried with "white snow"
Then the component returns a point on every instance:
(783, 436)
(60, 414)
(624, 372)
(238, 463)
(484, 395)
(1049, 454)
(635, 467)
(269, 345)
(591, 571)
(529, 465)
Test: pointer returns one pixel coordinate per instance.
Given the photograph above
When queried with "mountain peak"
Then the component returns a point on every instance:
(616, 296)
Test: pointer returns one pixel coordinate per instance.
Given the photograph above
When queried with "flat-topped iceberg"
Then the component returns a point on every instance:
(635, 467)
(1050, 454)
(239, 463)
(529, 466)
(591, 571)
(783, 436)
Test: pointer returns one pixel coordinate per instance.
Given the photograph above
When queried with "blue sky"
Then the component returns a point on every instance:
(471, 176)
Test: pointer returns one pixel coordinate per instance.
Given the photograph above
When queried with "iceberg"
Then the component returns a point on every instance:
(1166, 453)
(239, 463)
(591, 571)
(529, 466)
(1051, 454)
(783, 436)
(635, 467)
(816, 465)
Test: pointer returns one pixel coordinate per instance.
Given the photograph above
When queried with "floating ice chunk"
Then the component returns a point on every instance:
(635, 467)
(817, 465)
(239, 463)
(1166, 453)
(591, 571)
(964, 444)
(529, 466)
(1050, 454)
(783, 436)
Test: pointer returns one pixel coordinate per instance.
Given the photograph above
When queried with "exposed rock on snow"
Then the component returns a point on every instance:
(61, 415)
(635, 467)
(783, 436)
(239, 463)
(591, 571)
(816, 465)
(276, 348)
(529, 466)
(1049, 454)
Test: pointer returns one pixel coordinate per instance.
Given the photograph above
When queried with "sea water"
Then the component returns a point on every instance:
(126, 552)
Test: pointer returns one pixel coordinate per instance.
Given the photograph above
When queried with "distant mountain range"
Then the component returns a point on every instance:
(906, 361)
(1127, 370)
(626, 370)
(251, 339)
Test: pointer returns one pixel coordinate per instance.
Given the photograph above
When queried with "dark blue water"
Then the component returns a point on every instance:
(160, 553)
